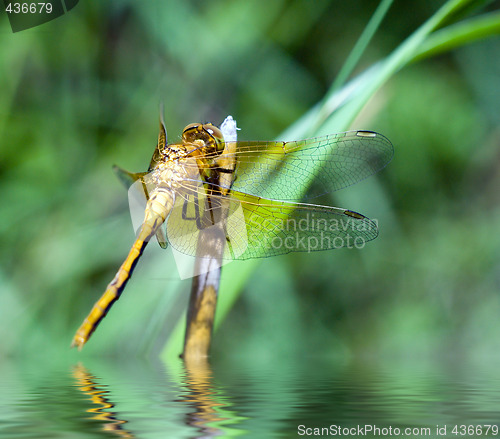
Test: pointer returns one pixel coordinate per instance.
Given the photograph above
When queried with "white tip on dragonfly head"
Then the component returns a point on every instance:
(229, 129)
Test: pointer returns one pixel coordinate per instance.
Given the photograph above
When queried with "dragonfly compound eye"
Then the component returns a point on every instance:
(216, 138)
(214, 132)
(207, 135)
(192, 132)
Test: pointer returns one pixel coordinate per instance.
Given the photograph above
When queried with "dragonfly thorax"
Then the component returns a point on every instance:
(172, 152)
(171, 174)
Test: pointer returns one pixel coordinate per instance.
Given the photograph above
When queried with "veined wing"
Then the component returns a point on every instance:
(332, 162)
(253, 227)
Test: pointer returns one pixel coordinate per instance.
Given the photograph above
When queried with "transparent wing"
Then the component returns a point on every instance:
(138, 195)
(343, 158)
(243, 226)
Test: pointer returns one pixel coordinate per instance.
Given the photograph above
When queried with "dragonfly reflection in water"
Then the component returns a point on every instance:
(205, 183)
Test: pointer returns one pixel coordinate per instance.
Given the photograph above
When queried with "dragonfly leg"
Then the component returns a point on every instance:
(197, 216)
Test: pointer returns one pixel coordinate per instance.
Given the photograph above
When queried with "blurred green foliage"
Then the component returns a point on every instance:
(81, 93)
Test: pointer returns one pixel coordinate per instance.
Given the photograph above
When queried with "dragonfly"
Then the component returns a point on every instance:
(207, 189)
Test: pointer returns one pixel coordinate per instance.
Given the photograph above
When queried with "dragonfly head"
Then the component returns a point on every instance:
(206, 136)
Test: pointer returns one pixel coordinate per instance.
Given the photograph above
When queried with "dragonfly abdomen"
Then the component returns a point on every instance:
(110, 296)
(158, 207)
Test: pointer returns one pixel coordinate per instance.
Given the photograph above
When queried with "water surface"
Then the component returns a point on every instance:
(96, 398)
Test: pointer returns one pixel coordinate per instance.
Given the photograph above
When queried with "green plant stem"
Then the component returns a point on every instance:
(459, 34)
